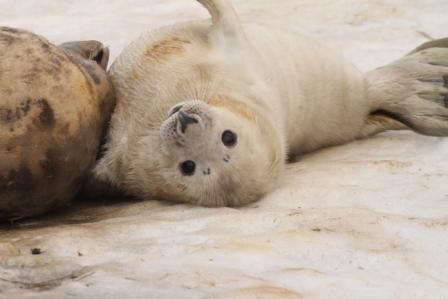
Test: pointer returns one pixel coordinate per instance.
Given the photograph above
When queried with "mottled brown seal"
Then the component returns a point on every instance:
(209, 112)
(54, 105)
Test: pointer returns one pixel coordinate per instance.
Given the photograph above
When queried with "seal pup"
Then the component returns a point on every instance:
(55, 103)
(208, 112)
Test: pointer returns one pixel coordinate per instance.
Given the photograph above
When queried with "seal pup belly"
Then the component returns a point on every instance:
(321, 96)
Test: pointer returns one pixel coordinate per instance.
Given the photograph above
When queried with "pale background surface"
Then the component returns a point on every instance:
(364, 220)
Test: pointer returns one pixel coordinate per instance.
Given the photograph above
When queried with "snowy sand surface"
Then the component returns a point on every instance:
(364, 220)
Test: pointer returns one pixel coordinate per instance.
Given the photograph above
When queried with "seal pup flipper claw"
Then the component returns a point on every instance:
(414, 89)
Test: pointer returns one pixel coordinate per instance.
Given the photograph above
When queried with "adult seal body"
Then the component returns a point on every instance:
(54, 106)
(208, 112)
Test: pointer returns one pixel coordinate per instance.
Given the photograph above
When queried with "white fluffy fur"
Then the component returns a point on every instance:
(283, 94)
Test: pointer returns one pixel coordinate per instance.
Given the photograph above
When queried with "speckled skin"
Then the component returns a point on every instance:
(54, 106)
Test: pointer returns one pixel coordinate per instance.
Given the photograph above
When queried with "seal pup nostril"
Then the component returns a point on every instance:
(174, 110)
(185, 119)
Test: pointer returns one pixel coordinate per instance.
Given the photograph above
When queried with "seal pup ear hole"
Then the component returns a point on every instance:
(187, 168)
(229, 138)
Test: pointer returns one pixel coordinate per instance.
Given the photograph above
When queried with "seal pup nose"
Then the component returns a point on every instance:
(185, 119)
(174, 110)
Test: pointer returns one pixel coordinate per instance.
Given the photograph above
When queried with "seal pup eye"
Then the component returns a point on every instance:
(187, 168)
(229, 138)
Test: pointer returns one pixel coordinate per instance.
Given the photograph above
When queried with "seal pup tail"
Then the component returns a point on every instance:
(414, 89)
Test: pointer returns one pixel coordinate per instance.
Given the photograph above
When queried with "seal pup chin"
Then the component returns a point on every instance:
(208, 112)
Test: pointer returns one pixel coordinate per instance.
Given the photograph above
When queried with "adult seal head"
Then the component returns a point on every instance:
(55, 103)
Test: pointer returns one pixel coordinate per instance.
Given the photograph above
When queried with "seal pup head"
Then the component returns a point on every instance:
(191, 124)
(215, 154)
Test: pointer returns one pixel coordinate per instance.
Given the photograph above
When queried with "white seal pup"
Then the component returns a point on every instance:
(208, 112)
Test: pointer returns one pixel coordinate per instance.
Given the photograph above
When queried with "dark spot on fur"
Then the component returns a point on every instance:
(21, 179)
(45, 46)
(35, 251)
(207, 171)
(6, 39)
(9, 115)
(48, 167)
(46, 116)
(6, 115)
(31, 76)
(25, 106)
(182, 187)
(8, 35)
(54, 65)
(445, 81)
(226, 158)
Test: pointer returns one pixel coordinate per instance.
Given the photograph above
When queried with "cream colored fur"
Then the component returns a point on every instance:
(281, 93)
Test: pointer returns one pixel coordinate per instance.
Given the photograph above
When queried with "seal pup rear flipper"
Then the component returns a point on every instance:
(227, 36)
(437, 43)
(414, 89)
(227, 28)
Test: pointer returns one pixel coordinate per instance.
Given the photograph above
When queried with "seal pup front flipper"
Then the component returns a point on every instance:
(414, 89)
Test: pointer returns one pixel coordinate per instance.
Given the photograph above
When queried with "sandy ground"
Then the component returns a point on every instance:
(364, 220)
